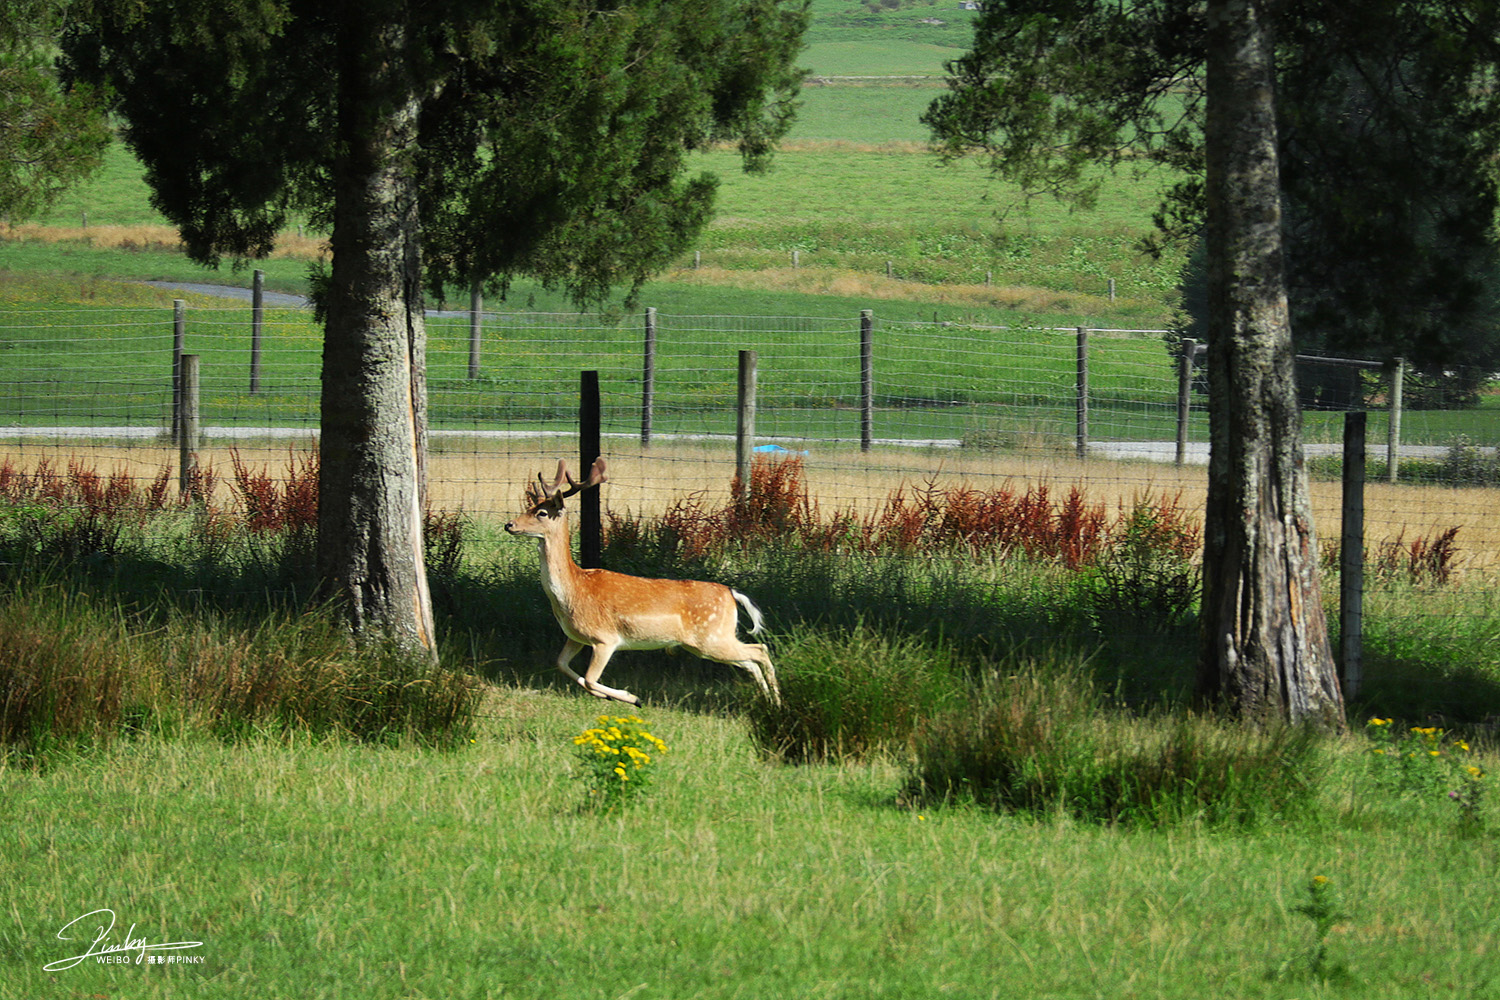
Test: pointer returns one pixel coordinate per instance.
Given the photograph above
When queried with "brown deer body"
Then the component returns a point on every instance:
(608, 611)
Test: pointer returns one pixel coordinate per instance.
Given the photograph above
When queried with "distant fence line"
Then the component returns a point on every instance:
(876, 405)
(843, 380)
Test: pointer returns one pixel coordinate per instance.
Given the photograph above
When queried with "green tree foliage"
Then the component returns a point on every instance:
(552, 134)
(50, 136)
(1387, 120)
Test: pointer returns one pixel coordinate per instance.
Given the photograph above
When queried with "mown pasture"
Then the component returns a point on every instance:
(853, 191)
(92, 364)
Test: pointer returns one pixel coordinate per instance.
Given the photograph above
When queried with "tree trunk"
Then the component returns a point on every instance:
(1265, 649)
(374, 404)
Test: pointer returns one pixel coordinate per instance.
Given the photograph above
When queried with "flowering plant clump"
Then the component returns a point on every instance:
(617, 758)
(1424, 760)
(1322, 909)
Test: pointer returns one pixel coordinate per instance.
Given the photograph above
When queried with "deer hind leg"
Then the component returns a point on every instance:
(750, 657)
(768, 674)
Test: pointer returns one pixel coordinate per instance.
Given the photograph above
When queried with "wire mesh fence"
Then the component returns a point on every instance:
(871, 407)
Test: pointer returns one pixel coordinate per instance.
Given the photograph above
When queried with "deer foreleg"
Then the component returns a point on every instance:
(570, 649)
(590, 681)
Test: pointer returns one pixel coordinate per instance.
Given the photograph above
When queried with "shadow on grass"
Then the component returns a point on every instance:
(1444, 688)
(495, 622)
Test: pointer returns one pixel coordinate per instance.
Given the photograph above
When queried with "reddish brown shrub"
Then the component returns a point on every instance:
(272, 505)
(1420, 561)
(778, 509)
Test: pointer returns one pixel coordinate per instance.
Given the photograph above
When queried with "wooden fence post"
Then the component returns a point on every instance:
(187, 441)
(866, 378)
(1393, 422)
(1083, 393)
(1352, 557)
(744, 433)
(476, 327)
(1184, 395)
(179, 339)
(257, 327)
(648, 378)
(591, 524)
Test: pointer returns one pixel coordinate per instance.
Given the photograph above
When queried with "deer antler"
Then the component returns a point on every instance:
(596, 476)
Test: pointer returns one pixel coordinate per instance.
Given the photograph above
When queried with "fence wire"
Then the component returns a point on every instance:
(943, 404)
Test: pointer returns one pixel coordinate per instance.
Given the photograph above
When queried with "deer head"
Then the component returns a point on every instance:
(545, 515)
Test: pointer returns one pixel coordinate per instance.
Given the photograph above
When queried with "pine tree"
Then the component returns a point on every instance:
(463, 141)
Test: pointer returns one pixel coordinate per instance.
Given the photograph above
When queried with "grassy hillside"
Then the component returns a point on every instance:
(870, 214)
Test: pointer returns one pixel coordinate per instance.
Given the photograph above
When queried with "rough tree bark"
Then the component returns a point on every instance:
(1265, 650)
(374, 400)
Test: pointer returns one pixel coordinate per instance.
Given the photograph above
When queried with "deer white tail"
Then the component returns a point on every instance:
(756, 622)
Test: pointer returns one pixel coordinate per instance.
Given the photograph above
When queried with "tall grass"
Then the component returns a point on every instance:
(118, 616)
(77, 671)
(893, 628)
(895, 652)
(1041, 738)
(856, 693)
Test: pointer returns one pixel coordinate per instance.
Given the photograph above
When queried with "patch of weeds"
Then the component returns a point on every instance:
(1044, 740)
(1322, 911)
(1425, 762)
(617, 759)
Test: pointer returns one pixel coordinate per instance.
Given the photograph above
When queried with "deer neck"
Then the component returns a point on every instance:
(558, 568)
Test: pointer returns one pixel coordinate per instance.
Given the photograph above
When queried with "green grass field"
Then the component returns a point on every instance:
(325, 870)
(95, 365)
(317, 866)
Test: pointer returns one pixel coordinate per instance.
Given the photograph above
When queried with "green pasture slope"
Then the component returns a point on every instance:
(108, 366)
(855, 196)
(908, 215)
(854, 190)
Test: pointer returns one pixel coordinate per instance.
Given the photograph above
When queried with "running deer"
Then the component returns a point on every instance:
(608, 611)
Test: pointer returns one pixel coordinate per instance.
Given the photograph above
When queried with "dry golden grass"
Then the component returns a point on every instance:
(153, 237)
(819, 280)
(853, 284)
(487, 478)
